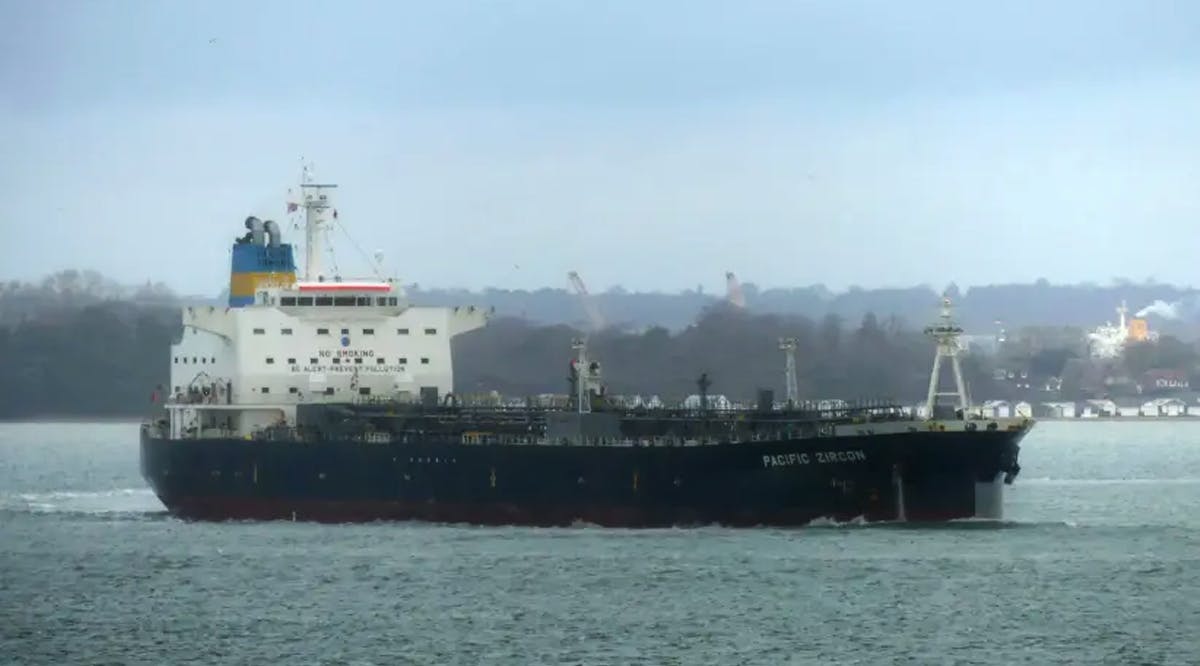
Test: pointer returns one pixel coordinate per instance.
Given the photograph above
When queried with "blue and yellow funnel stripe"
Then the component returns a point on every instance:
(255, 267)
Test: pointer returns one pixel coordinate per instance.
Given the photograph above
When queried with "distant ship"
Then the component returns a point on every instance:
(317, 398)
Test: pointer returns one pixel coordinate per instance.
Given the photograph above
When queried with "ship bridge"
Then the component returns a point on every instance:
(284, 341)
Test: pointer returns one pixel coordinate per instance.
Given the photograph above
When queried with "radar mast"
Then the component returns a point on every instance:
(314, 198)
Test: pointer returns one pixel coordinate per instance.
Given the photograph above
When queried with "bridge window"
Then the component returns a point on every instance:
(312, 361)
(368, 331)
(345, 331)
(403, 360)
(402, 331)
(358, 361)
(293, 389)
(204, 360)
(285, 331)
(424, 360)
(287, 300)
(266, 389)
(364, 300)
(393, 300)
(176, 359)
(379, 361)
(431, 331)
(214, 360)
(270, 361)
(366, 390)
(336, 360)
(260, 331)
(322, 331)
(291, 361)
(382, 300)
(324, 300)
(343, 300)
(304, 300)
(328, 390)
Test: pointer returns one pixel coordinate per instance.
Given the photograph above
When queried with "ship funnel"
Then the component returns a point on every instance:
(255, 226)
(272, 230)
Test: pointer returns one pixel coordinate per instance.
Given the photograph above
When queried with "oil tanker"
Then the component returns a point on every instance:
(312, 397)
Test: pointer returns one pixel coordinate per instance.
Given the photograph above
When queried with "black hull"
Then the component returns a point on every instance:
(915, 476)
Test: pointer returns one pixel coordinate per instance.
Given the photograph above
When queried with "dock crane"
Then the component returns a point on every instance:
(733, 291)
(589, 305)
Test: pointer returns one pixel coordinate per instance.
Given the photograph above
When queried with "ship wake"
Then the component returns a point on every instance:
(114, 503)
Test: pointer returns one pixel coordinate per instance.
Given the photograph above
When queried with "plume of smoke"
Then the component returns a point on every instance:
(1161, 308)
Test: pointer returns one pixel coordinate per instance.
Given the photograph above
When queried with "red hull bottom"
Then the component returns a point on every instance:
(222, 509)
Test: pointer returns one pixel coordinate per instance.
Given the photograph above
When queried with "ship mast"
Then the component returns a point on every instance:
(945, 333)
(316, 219)
(792, 387)
(582, 400)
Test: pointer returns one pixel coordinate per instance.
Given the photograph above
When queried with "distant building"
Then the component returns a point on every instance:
(1164, 381)
(1097, 408)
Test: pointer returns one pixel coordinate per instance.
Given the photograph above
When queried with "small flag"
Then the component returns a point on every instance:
(292, 207)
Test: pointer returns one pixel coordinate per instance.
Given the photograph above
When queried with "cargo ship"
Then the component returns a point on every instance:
(312, 397)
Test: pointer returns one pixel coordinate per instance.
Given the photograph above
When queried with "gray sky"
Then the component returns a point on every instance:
(655, 145)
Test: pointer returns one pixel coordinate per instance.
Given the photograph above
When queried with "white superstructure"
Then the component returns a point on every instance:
(323, 339)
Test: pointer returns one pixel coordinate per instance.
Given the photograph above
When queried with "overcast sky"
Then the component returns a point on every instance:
(649, 144)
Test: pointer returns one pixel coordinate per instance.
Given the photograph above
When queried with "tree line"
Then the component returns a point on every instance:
(105, 359)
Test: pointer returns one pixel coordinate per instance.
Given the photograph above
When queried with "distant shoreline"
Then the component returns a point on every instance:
(59, 418)
(1109, 419)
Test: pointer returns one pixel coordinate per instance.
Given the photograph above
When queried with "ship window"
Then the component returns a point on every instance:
(270, 361)
(328, 390)
(343, 300)
(259, 331)
(285, 331)
(322, 331)
(424, 360)
(392, 300)
(379, 361)
(364, 300)
(358, 361)
(293, 389)
(382, 300)
(287, 300)
(403, 360)
(177, 389)
(304, 300)
(291, 361)
(368, 331)
(324, 300)
(336, 360)
(204, 359)
(313, 361)
(193, 360)
(214, 360)
(266, 389)
(176, 359)
(366, 390)
(345, 331)
(402, 331)
(431, 331)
